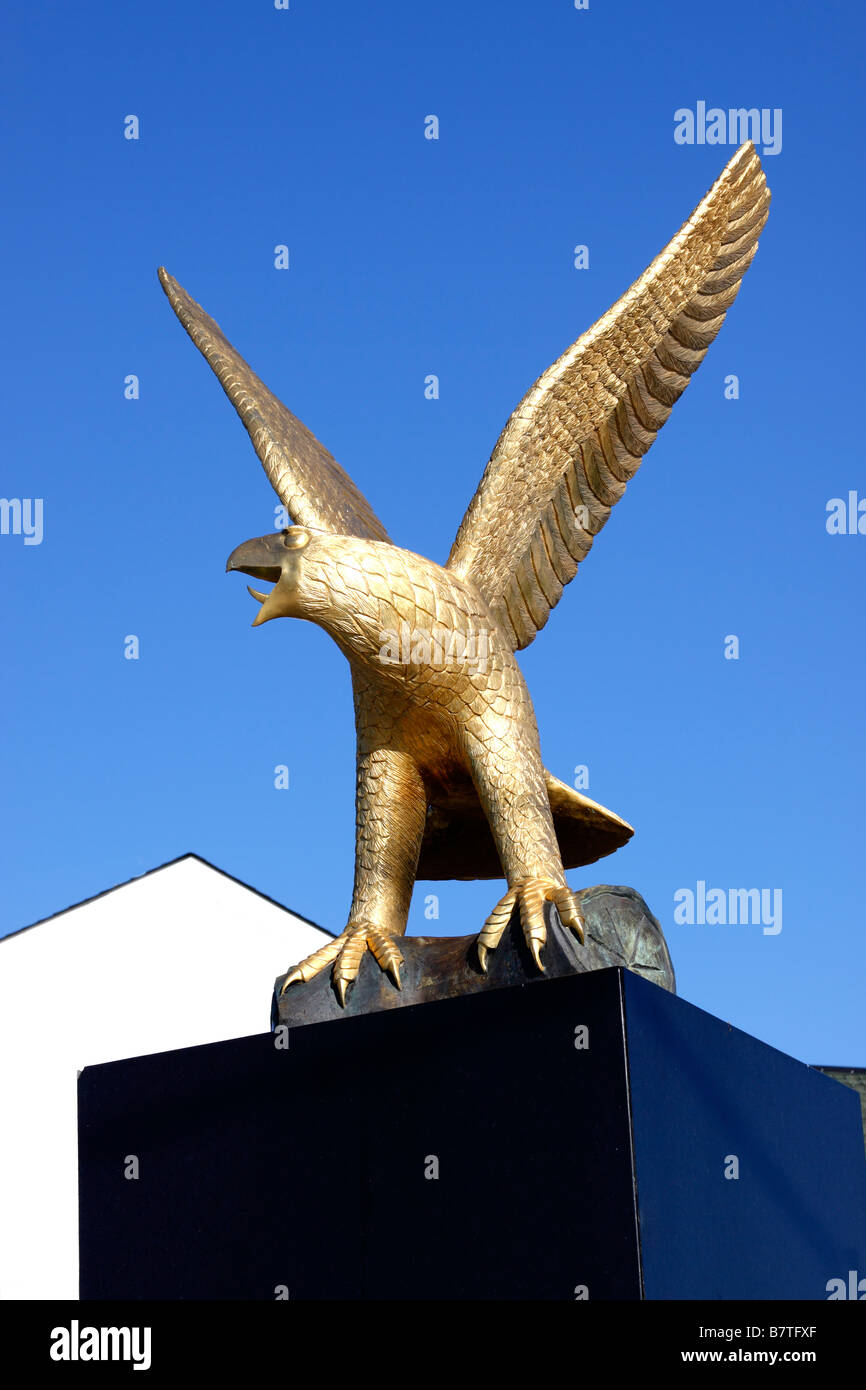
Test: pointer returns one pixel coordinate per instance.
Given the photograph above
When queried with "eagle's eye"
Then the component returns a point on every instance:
(296, 537)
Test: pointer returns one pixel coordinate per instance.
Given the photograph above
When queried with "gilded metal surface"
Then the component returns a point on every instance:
(449, 769)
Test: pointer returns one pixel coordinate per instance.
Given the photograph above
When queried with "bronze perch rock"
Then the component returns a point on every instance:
(450, 779)
(619, 930)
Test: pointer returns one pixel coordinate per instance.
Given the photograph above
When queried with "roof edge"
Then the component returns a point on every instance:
(157, 868)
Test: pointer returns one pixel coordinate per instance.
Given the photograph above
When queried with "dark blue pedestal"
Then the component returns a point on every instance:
(602, 1171)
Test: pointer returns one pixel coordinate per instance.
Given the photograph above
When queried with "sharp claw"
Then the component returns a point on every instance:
(575, 923)
(482, 958)
(294, 977)
(570, 916)
(535, 950)
(394, 972)
(341, 987)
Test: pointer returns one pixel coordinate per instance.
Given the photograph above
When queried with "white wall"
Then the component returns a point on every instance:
(181, 956)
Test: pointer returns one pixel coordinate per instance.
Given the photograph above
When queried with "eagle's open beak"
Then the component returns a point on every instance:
(263, 558)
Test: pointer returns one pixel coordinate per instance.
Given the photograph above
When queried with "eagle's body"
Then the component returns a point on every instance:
(442, 714)
(451, 781)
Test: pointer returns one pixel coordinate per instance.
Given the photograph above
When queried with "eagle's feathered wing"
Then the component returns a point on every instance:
(309, 482)
(569, 449)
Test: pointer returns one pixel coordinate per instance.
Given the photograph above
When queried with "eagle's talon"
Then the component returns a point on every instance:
(569, 913)
(530, 895)
(346, 952)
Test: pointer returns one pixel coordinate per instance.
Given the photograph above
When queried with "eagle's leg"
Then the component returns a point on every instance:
(509, 776)
(391, 808)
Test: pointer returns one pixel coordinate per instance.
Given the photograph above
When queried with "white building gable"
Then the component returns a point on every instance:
(183, 955)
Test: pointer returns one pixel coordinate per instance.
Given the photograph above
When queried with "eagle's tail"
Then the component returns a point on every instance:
(458, 842)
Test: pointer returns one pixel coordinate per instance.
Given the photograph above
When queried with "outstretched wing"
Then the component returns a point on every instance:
(308, 481)
(576, 438)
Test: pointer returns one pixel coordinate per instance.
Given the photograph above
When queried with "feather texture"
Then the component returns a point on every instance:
(577, 437)
(308, 481)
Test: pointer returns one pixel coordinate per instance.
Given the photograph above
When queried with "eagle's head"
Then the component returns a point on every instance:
(279, 559)
(359, 590)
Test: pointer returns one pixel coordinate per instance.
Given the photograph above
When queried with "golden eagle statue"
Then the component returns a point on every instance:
(450, 780)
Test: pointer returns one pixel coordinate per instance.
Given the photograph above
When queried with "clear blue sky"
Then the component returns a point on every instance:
(408, 257)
